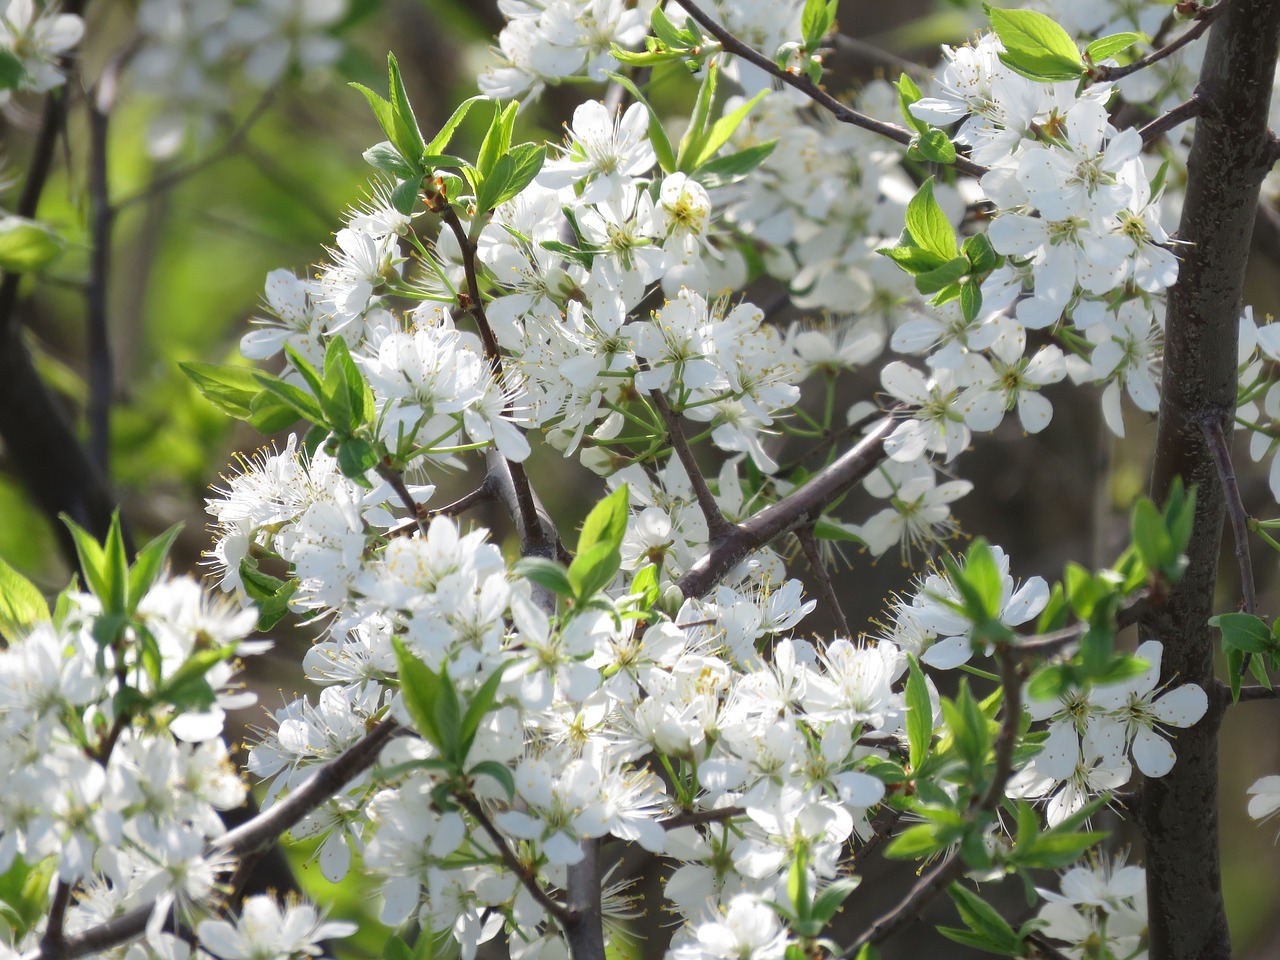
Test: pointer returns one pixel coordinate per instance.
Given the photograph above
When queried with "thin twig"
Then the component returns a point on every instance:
(952, 868)
(533, 536)
(695, 817)
(527, 876)
(842, 112)
(809, 544)
(395, 479)
(1257, 692)
(1204, 20)
(484, 493)
(1046, 949)
(804, 505)
(881, 830)
(1171, 118)
(101, 100)
(717, 526)
(229, 147)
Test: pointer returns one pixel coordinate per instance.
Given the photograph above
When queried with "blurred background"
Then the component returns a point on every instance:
(214, 192)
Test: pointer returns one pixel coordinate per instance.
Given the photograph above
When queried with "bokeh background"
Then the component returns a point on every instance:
(199, 230)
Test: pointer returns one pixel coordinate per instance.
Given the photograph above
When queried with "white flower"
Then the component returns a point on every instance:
(265, 931)
(747, 930)
(1141, 714)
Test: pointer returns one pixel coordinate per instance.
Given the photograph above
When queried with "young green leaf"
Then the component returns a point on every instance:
(231, 389)
(607, 521)
(919, 714)
(1105, 47)
(22, 605)
(1035, 45)
(929, 226)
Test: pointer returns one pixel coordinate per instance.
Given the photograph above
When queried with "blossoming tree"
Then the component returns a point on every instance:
(505, 717)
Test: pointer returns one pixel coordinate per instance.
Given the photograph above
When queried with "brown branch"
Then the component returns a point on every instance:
(1228, 159)
(485, 493)
(695, 817)
(842, 112)
(717, 526)
(1204, 20)
(526, 876)
(803, 506)
(1171, 118)
(809, 544)
(1252, 693)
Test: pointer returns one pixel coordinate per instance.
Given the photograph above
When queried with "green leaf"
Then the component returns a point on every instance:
(405, 133)
(982, 918)
(724, 128)
(816, 21)
(346, 398)
(12, 72)
(147, 565)
(482, 702)
(1150, 536)
(497, 141)
(545, 573)
(187, 688)
(593, 569)
(441, 139)
(832, 897)
(301, 402)
(22, 605)
(420, 688)
(271, 414)
(231, 389)
(913, 259)
(1243, 631)
(929, 226)
(105, 565)
(695, 134)
(1035, 45)
(980, 253)
(607, 521)
(931, 281)
(385, 157)
(658, 138)
(909, 93)
(970, 300)
(356, 457)
(494, 769)
(271, 594)
(936, 147)
(526, 164)
(1058, 848)
(1105, 47)
(26, 245)
(916, 842)
(1049, 682)
(919, 714)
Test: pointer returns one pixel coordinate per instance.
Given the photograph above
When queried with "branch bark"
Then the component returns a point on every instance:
(1229, 157)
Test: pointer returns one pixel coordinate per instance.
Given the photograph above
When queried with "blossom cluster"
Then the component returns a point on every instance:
(565, 699)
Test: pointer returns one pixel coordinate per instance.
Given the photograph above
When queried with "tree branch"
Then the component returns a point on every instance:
(802, 506)
(1171, 118)
(1228, 159)
(1204, 20)
(809, 544)
(842, 112)
(717, 526)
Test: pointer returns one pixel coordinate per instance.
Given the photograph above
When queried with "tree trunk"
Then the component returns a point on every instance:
(1230, 154)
